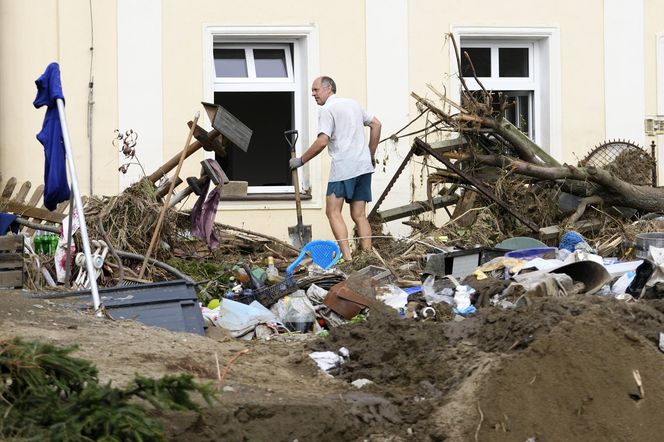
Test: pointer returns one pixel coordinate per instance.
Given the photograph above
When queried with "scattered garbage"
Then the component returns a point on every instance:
(328, 360)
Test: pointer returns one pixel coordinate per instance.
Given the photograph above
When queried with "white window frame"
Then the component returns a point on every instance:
(497, 83)
(305, 66)
(545, 73)
(252, 83)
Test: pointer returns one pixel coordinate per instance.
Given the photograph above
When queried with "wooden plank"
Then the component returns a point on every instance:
(11, 243)
(552, 232)
(11, 261)
(9, 188)
(22, 192)
(235, 188)
(26, 211)
(36, 195)
(229, 126)
(416, 208)
(11, 279)
(62, 207)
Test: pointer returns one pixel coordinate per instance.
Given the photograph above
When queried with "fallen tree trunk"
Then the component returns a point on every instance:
(612, 190)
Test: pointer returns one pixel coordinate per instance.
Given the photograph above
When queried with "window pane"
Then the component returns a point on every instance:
(230, 63)
(481, 58)
(513, 62)
(270, 63)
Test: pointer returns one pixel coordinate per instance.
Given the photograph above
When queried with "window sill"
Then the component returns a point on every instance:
(265, 197)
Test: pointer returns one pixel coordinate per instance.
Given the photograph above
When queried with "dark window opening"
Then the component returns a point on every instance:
(513, 62)
(481, 58)
(268, 115)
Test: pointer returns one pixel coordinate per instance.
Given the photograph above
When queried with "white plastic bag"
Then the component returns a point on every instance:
(622, 283)
(300, 315)
(433, 297)
(392, 296)
(241, 319)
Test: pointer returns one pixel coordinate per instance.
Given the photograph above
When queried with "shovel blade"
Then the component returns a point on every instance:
(299, 235)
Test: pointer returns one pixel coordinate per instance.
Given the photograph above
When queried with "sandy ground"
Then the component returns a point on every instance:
(559, 369)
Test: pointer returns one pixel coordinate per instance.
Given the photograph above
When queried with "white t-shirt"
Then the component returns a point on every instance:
(343, 120)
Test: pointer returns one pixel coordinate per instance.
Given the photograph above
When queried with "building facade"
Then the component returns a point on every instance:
(578, 73)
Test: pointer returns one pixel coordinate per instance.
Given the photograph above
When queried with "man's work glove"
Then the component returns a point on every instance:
(294, 163)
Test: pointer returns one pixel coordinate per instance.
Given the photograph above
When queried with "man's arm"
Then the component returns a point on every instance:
(316, 147)
(374, 135)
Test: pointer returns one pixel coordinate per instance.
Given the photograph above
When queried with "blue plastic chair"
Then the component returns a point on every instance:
(323, 253)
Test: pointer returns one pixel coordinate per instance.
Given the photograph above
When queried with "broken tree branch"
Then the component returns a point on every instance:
(581, 208)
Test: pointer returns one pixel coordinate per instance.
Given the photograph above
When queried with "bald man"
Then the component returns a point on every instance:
(341, 128)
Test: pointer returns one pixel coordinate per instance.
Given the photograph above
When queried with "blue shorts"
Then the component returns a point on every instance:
(352, 189)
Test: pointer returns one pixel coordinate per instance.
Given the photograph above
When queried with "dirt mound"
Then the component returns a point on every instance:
(577, 383)
(559, 369)
(554, 369)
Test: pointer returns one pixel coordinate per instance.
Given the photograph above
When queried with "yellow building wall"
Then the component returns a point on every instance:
(34, 33)
(581, 48)
(653, 27)
(342, 56)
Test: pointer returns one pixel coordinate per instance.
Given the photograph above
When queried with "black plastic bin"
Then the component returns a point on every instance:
(460, 263)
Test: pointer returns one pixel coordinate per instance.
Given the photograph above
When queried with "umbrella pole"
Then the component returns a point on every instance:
(79, 208)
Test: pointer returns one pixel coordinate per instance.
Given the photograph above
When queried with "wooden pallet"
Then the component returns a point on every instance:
(32, 208)
(11, 261)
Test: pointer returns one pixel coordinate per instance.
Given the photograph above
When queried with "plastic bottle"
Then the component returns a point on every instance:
(38, 242)
(241, 275)
(272, 272)
(53, 242)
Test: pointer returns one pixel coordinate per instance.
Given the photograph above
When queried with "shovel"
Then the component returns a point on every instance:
(299, 234)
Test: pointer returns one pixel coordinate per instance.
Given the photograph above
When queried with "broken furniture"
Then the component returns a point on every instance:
(11, 262)
(324, 253)
(32, 215)
(224, 125)
(420, 147)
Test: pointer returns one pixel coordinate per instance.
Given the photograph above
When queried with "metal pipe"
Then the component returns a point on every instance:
(79, 207)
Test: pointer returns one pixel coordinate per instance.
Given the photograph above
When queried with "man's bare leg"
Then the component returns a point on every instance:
(333, 206)
(358, 211)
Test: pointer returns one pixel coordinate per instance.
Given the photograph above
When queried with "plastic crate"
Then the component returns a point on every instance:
(365, 280)
(270, 294)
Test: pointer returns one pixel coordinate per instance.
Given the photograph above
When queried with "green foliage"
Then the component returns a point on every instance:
(202, 270)
(359, 318)
(45, 394)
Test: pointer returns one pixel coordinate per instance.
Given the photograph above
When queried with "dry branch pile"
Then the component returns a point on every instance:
(513, 170)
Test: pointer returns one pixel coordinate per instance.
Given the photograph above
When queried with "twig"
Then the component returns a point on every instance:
(228, 366)
(445, 99)
(276, 253)
(639, 383)
(458, 60)
(387, 266)
(271, 238)
(162, 213)
(216, 360)
(479, 425)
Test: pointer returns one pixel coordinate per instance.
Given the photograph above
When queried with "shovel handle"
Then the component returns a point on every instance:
(292, 140)
(291, 136)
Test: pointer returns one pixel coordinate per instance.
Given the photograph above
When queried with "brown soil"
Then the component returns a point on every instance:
(559, 369)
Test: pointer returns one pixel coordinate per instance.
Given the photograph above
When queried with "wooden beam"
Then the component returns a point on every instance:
(27, 211)
(415, 208)
(552, 232)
